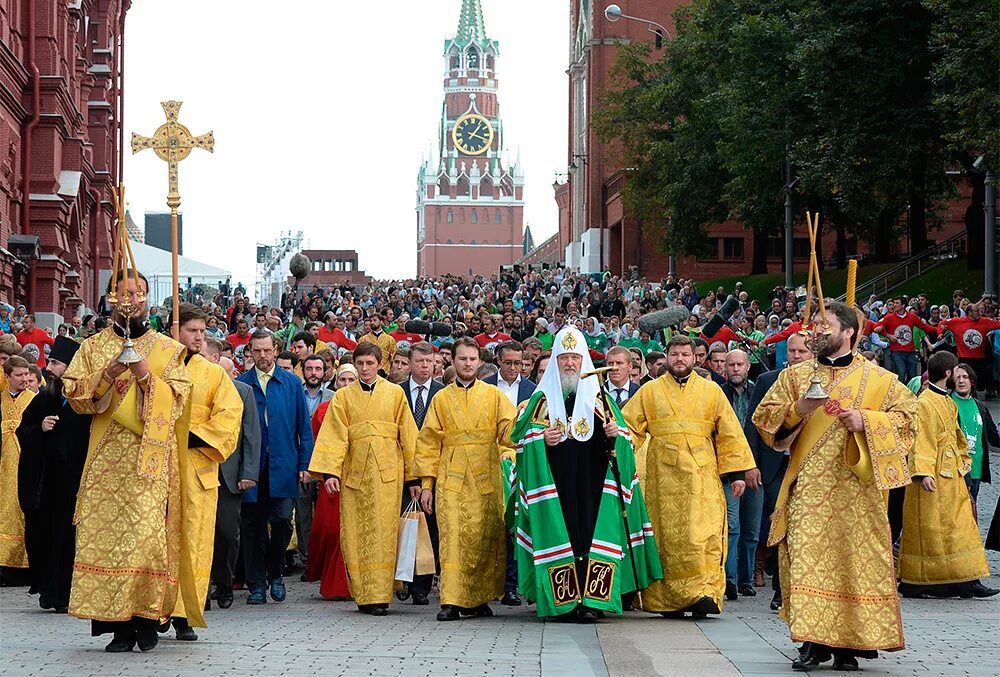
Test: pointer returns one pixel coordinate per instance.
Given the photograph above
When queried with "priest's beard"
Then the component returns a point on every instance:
(680, 372)
(569, 382)
(136, 325)
(836, 345)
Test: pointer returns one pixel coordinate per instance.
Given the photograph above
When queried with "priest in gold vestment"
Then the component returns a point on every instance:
(829, 522)
(128, 512)
(13, 401)
(694, 440)
(365, 450)
(459, 447)
(208, 435)
(940, 551)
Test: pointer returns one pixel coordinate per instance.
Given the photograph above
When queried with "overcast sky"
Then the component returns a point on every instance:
(321, 114)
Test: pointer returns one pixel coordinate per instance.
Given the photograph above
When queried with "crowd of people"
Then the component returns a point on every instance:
(563, 452)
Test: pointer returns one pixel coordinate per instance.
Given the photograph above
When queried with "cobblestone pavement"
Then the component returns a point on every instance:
(307, 636)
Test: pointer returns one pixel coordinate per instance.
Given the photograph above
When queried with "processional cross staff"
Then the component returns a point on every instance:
(173, 142)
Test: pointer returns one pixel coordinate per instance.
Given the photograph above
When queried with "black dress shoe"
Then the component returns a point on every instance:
(811, 656)
(403, 593)
(147, 638)
(123, 642)
(776, 601)
(585, 615)
(379, 610)
(224, 597)
(845, 663)
(448, 613)
(185, 632)
(420, 599)
(672, 614)
(481, 611)
(703, 607)
(979, 590)
(747, 591)
(510, 599)
(731, 593)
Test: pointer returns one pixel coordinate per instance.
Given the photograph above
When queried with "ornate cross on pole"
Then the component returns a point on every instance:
(173, 142)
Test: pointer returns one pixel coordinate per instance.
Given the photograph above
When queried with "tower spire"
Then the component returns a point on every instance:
(471, 26)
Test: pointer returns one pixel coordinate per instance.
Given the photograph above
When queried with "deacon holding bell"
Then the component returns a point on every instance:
(128, 513)
(583, 538)
(848, 425)
(695, 439)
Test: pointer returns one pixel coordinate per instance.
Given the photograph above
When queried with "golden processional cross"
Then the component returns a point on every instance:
(173, 142)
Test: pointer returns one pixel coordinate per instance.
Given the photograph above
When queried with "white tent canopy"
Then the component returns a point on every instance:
(155, 264)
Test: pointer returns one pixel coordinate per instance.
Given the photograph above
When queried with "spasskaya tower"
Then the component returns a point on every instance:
(470, 203)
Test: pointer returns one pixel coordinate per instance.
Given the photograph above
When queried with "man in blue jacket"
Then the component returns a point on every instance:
(285, 450)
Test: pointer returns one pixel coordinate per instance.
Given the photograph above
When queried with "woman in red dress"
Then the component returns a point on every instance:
(326, 562)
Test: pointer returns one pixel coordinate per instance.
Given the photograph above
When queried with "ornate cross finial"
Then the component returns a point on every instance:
(172, 142)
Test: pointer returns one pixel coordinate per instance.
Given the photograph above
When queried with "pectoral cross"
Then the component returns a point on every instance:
(173, 142)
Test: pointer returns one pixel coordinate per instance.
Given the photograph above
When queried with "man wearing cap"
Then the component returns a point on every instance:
(53, 440)
(576, 475)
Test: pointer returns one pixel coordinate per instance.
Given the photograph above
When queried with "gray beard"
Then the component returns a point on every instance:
(569, 382)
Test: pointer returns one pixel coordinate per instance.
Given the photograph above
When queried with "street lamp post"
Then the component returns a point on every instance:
(613, 13)
(990, 206)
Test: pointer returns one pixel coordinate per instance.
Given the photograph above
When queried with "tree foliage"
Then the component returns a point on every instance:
(850, 92)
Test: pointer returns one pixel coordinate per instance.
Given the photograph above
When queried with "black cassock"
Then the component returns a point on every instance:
(579, 470)
(48, 480)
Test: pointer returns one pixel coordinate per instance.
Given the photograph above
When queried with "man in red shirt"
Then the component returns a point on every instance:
(897, 327)
(405, 339)
(490, 333)
(239, 341)
(33, 336)
(332, 335)
(970, 341)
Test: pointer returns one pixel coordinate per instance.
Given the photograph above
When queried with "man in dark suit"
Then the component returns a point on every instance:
(518, 389)
(420, 389)
(509, 379)
(239, 473)
(620, 386)
(772, 464)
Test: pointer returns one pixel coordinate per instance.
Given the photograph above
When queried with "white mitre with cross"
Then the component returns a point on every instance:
(581, 425)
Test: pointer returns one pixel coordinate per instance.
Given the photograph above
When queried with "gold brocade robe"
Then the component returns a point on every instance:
(460, 444)
(940, 541)
(128, 508)
(367, 440)
(214, 414)
(694, 438)
(12, 552)
(835, 556)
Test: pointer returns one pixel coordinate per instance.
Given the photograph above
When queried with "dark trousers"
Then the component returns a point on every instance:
(421, 585)
(771, 490)
(510, 580)
(50, 540)
(264, 554)
(227, 537)
(305, 505)
(896, 497)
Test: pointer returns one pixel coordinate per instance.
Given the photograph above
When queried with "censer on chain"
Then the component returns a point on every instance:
(120, 299)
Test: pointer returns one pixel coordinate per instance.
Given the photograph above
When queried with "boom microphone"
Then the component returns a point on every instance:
(719, 320)
(428, 328)
(661, 319)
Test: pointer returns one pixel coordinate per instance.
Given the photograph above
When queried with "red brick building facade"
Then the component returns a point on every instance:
(59, 115)
(332, 268)
(470, 206)
(595, 229)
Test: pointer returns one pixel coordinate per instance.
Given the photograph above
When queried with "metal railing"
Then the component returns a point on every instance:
(938, 255)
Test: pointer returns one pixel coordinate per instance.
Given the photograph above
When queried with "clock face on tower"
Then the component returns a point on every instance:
(472, 134)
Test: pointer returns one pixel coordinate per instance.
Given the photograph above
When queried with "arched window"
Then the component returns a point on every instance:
(455, 60)
(473, 242)
(450, 241)
(472, 58)
(474, 217)
(451, 217)
(497, 218)
(498, 241)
